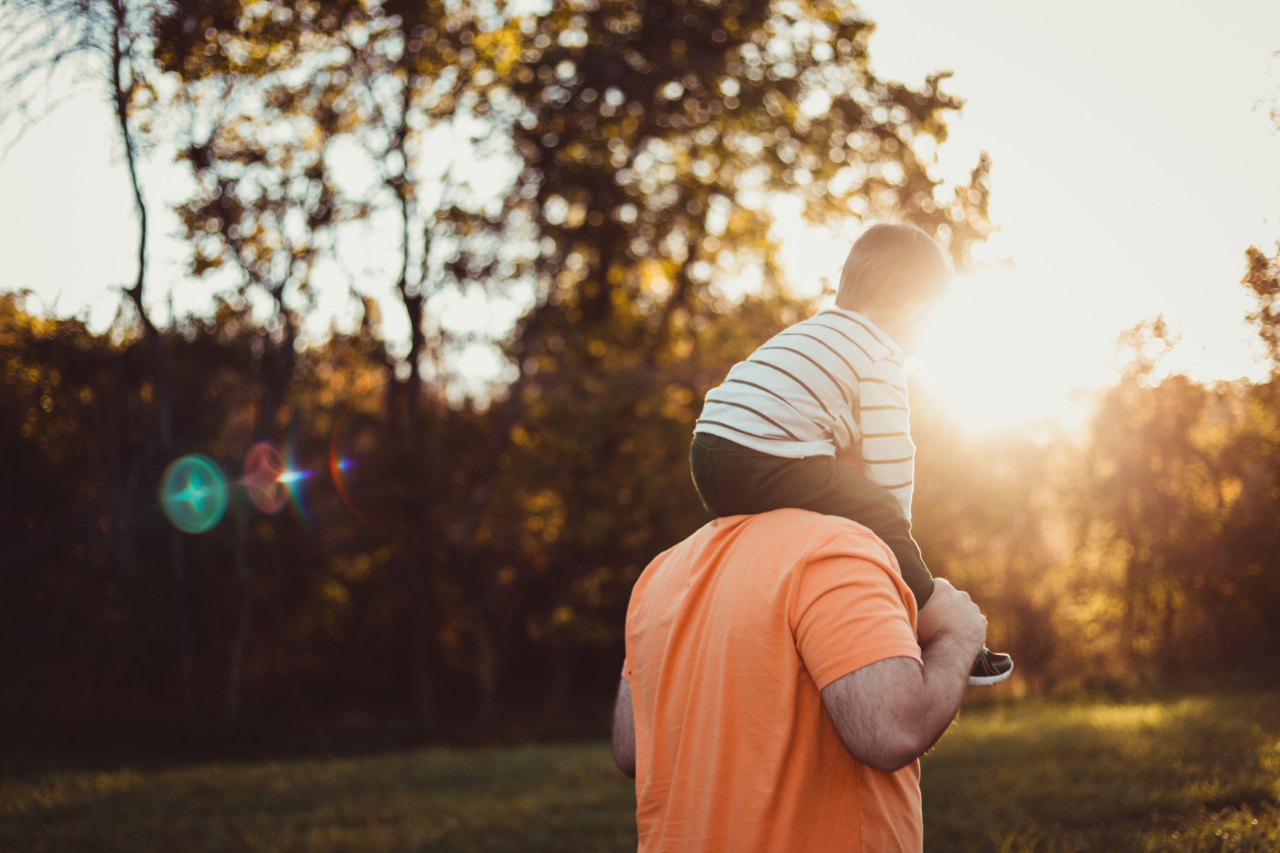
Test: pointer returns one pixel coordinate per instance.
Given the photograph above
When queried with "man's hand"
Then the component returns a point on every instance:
(951, 611)
(624, 731)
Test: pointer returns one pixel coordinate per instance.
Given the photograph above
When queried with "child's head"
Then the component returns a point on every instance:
(894, 274)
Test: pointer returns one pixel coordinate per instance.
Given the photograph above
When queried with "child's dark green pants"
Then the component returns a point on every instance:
(736, 480)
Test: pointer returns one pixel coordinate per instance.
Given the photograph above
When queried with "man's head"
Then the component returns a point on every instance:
(894, 274)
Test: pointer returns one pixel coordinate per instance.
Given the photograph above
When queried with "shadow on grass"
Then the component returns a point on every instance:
(29, 750)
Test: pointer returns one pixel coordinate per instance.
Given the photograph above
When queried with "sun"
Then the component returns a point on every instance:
(997, 354)
(1004, 350)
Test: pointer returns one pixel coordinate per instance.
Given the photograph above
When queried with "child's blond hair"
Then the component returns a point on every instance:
(891, 264)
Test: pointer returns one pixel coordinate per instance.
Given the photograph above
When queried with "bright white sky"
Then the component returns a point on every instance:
(1134, 162)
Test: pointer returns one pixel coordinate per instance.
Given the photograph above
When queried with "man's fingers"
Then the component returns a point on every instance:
(950, 610)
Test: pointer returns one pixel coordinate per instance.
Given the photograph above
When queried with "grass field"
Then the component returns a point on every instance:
(1199, 773)
(1190, 774)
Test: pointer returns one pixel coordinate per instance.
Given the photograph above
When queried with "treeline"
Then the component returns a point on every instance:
(475, 575)
(473, 572)
(1138, 546)
(609, 167)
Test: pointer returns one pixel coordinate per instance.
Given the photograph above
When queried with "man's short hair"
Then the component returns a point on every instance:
(893, 263)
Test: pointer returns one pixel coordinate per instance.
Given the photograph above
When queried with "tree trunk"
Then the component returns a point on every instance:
(244, 619)
(486, 672)
(422, 621)
(275, 389)
(122, 95)
(563, 663)
(183, 614)
(421, 639)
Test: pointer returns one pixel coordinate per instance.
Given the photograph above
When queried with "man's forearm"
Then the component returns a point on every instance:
(947, 662)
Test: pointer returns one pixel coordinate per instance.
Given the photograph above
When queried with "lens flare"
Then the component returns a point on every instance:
(193, 493)
(264, 477)
(339, 465)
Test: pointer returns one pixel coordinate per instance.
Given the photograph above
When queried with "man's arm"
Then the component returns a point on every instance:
(889, 713)
(624, 731)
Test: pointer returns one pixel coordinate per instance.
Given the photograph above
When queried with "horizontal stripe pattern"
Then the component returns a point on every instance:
(825, 385)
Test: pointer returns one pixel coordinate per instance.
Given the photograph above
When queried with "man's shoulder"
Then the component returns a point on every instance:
(791, 536)
(804, 524)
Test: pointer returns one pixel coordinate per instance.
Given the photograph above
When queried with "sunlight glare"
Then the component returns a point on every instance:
(995, 355)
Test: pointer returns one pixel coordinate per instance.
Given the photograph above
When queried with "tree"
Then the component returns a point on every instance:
(112, 37)
(654, 137)
(105, 41)
(265, 102)
(630, 162)
(1262, 278)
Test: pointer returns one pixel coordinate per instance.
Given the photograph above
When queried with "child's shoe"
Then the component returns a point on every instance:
(990, 668)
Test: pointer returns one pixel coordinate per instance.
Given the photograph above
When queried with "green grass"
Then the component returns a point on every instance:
(563, 798)
(1189, 774)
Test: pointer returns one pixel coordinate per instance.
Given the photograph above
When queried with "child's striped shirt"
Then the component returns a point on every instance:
(833, 382)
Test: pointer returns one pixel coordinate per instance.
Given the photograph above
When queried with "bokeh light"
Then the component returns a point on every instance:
(341, 464)
(264, 473)
(193, 493)
(294, 477)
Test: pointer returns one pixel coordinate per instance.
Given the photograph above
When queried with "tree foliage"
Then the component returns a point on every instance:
(613, 173)
(1263, 280)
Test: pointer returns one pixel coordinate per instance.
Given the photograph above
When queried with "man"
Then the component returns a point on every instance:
(775, 696)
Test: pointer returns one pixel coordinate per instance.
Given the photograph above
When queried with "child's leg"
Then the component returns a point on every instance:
(704, 463)
(734, 480)
(847, 492)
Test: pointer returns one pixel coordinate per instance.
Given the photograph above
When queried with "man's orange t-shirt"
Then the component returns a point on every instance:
(730, 637)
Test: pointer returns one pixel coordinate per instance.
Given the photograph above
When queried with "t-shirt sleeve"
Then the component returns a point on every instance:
(851, 610)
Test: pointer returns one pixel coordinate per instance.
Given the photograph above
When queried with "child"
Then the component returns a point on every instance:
(834, 388)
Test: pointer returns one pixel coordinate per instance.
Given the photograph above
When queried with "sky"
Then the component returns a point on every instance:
(1134, 161)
